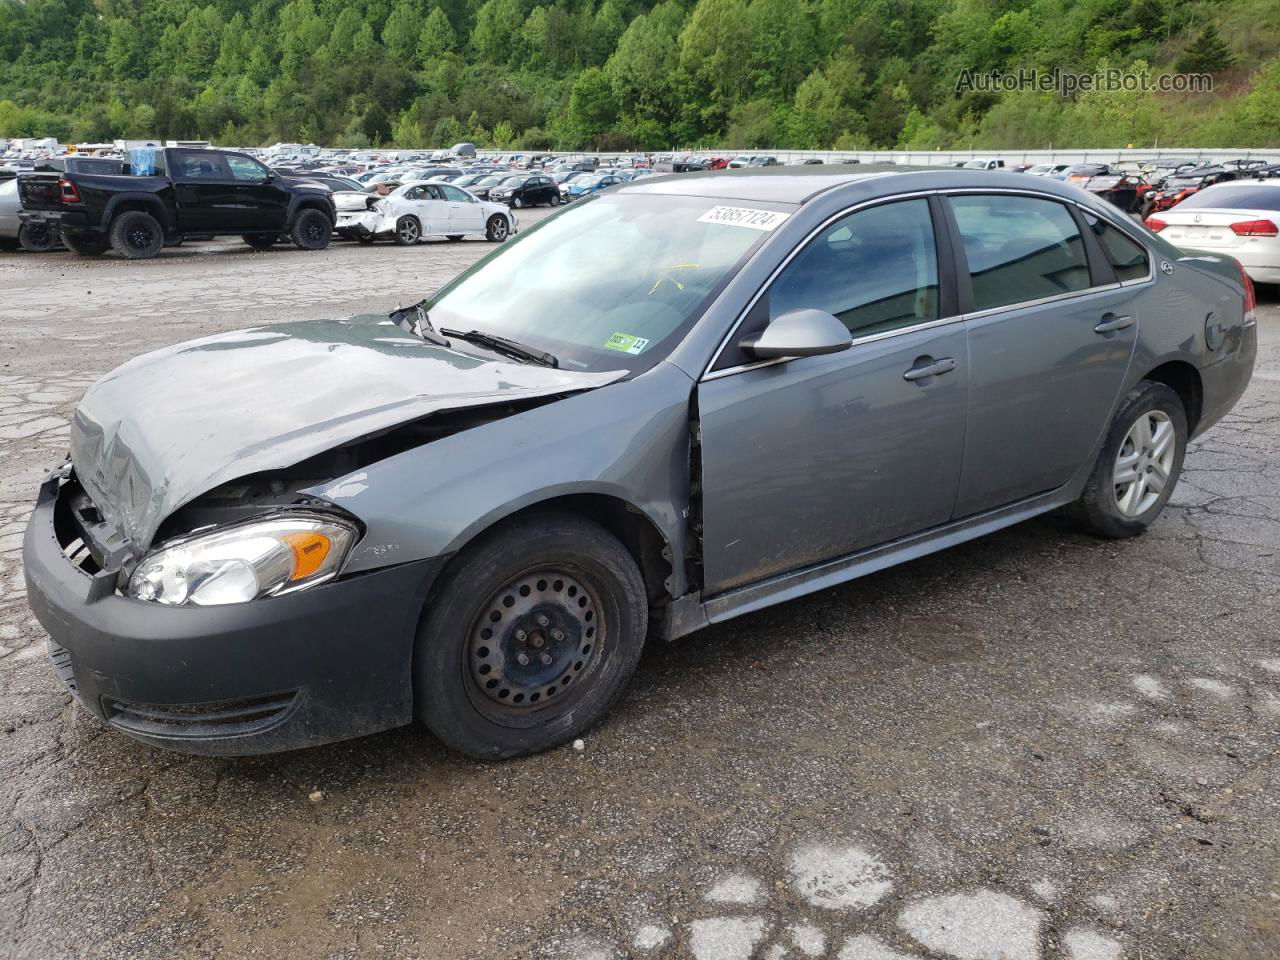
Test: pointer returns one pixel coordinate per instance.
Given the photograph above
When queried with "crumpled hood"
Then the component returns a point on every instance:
(168, 426)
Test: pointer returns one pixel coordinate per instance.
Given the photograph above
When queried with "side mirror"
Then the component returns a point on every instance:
(799, 333)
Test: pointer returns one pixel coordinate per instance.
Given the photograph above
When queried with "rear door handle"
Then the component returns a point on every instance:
(926, 367)
(1110, 323)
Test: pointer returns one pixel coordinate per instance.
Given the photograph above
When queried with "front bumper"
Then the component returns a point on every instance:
(323, 664)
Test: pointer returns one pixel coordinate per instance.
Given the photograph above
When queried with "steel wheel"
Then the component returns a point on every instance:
(1145, 463)
(534, 639)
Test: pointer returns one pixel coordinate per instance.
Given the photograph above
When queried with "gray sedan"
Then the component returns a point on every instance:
(678, 401)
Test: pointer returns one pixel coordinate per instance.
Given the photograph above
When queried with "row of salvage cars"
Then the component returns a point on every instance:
(1146, 187)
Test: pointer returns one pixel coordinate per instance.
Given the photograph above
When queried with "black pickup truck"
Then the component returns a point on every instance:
(185, 193)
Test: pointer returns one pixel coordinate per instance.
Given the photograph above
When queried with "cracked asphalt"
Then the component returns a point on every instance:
(1038, 745)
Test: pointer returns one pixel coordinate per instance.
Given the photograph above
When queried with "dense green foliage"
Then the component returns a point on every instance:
(620, 74)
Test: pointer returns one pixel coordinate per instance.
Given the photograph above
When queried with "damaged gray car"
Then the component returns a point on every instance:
(676, 402)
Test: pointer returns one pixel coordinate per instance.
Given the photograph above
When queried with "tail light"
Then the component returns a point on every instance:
(1155, 224)
(69, 192)
(1255, 228)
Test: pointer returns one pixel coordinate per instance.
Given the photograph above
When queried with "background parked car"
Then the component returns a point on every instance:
(526, 190)
(1239, 218)
(1184, 184)
(593, 184)
(418, 210)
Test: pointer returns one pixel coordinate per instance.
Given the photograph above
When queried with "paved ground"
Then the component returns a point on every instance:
(1038, 745)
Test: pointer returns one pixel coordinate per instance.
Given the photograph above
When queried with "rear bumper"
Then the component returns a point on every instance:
(1226, 380)
(319, 665)
(72, 221)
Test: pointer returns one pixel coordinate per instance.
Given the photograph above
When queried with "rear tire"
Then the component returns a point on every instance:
(86, 244)
(136, 235)
(551, 589)
(1138, 466)
(312, 230)
(497, 229)
(38, 239)
(259, 242)
(408, 231)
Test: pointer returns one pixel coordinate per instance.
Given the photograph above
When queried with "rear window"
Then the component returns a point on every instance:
(1254, 196)
(1019, 249)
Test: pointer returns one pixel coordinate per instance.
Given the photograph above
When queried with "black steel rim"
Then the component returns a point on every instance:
(314, 231)
(535, 642)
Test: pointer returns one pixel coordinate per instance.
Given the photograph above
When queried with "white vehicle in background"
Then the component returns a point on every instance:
(416, 210)
(1240, 218)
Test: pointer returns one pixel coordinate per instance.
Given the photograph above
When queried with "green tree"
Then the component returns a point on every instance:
(436, 38)
(1207, 53)
(402, 31)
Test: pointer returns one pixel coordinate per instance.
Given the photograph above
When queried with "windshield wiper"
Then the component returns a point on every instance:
(512, 348)
(414, 320)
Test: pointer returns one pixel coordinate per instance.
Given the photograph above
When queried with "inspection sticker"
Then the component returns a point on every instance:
(626, 343)
(744, 217)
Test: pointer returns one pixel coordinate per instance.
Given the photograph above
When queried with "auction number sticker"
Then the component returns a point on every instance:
(744, 217)
(626, 343)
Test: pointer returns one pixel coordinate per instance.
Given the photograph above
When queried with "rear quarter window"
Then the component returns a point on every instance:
(1128, 257)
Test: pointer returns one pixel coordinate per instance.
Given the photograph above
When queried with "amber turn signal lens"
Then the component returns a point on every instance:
(309, 551)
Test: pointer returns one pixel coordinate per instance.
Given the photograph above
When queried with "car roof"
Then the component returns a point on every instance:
(780, 184)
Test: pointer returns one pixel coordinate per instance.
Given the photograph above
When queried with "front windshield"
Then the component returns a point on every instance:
(492, 181)
(613, 282)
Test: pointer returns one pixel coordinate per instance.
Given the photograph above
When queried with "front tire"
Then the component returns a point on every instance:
(86, 244)
(312, 230)
(136, 235)
(408, 231)
(517, 202)
(1139, 464)
(533, 633)
(497, 229)
(555, 200)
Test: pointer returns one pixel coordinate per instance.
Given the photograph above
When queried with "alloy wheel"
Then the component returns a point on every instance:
(1144, 463)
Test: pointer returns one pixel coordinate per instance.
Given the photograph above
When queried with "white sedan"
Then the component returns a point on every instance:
(1240, 218)
(416, 210)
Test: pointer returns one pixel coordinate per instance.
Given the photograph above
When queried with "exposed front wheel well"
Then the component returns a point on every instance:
(1184, 380)
(643, 540)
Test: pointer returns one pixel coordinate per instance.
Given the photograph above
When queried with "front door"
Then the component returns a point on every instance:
(1049, 342)
(811, 459)
(263, 203)
(465, 214)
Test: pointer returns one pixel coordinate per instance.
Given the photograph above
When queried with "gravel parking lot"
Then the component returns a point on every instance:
(1038, 745)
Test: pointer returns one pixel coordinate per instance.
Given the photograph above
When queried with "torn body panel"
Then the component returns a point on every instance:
(628, 442)
(167, 427)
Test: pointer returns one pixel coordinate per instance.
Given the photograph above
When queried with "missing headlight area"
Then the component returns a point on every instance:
(254, 495)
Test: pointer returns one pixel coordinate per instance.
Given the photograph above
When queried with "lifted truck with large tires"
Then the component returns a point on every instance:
(190, 194)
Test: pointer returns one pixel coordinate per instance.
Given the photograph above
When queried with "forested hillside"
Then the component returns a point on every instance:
(615, 74)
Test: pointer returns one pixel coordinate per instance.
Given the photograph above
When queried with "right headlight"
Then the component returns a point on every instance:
(236, 564)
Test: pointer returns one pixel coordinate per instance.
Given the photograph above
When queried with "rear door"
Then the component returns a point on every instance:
(814, 458)
(1050, 334)
(205, 192)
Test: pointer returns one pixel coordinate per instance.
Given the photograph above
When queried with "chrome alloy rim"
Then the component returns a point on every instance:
(1145, 463)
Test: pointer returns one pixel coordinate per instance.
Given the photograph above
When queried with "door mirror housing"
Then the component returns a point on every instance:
(798, 333)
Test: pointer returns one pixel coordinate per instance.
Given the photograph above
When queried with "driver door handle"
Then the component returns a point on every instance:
(1110, 323)
(926, 367)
